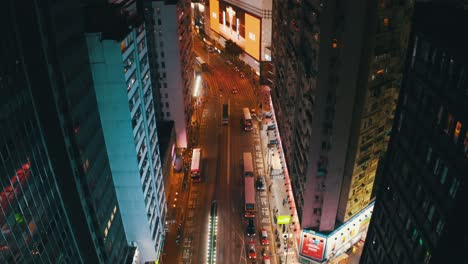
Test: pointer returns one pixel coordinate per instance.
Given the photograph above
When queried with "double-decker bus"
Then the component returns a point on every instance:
(249, 197)
(225, 114)
(248, 164)
(246, 119)
(195, 172)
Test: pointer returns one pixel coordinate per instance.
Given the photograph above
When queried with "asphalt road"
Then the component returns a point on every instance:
(222, 148)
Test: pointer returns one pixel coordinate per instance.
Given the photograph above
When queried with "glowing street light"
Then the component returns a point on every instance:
(196, 88)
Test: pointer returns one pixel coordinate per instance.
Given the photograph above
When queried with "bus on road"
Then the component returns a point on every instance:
(246, 119)
(225, 114)
(201, 63)
(248, 164)
(195, 172)
(249, 197)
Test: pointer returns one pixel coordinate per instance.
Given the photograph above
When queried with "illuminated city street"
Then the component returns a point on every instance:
(233, 132)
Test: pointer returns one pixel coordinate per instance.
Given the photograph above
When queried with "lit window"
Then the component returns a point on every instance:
(440, 227)
(430, 215)
(456, 132)
(443, 176)
(334, 43)
(86, 166)
(454, 188)
(449, 124)
(380, 71)
(465, 143)
(400, 121)
(439, 114)
(437, 166)
(386, 22)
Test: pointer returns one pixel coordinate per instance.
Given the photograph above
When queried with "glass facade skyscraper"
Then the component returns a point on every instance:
(58, 202)
(418, 213)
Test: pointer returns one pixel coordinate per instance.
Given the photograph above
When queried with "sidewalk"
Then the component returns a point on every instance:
(280, 196)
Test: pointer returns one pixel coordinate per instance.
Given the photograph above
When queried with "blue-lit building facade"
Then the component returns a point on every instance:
(57, 196)
(118, 54)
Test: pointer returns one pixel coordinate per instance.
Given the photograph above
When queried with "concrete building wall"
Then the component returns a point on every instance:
(130, 134)
(325, 57)
(172, 43)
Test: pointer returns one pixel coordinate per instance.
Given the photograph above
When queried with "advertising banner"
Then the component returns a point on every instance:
(234, 23)
(312, 245)
(283, 219)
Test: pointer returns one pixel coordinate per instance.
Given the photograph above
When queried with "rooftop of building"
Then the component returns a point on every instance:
(444, 24)
(165, 129)
(113, 20)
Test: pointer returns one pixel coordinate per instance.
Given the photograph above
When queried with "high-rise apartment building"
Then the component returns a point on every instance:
(118, 53)
(338, 68)
(422, 194)
(57, 196)
(171, 57)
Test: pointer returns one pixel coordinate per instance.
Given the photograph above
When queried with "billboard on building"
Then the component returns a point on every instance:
(317, 246)
(283, 219)
(234, 23)
(312, 245)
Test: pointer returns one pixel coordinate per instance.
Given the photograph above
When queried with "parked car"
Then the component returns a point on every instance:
(234, 91)
(264, 237)
(266, 260)
(252, 251)
(260, 183)
(268, 114)
(251, 228)
(242, 75)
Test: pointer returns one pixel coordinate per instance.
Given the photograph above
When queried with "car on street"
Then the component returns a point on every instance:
(250, 228)
(260, 183)
(266, 260)
(234, 91)
(236, 69)
(270, 125)
(252, 251)
(253, 112)
(268, 114)
(242, 75)
(264, 237)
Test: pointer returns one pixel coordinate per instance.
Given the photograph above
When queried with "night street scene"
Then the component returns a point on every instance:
(234, 132)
